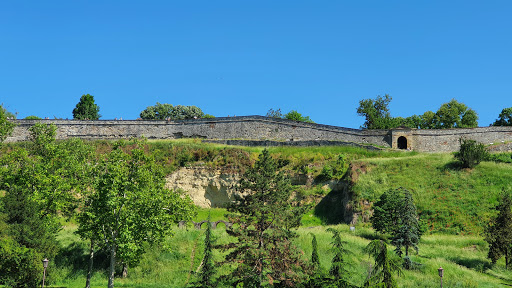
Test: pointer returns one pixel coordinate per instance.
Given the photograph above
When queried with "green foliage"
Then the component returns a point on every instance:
(26, 238)
(408, 233)
(450, 115)
(86, 109)
(448, 199)
(131, 205)
(207, 266)
(499, 233)
(471, 153)
(168, 111)
(43, 139)
(264, 253)
(337, 271)
(6, 126)
(387, 212)
(500, 157)
(296, 116)
(292, 115)
(395, 213)
(32, 117)
(385, 266)
(505, 118)
(455, 115)
(376, 112)
(336, 170)
(315, 259)
(274, 113)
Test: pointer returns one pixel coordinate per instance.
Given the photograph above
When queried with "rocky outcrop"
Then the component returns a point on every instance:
(206, 186)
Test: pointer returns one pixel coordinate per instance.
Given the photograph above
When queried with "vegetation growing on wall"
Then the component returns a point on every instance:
(168, 111)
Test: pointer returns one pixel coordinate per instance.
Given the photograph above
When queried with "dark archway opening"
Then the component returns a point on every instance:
(402, 142)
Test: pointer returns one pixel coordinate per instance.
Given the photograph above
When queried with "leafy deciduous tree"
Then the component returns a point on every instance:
(131, 205)
(296, 116)
(455, 115)
(375, 112)
(6, 126)
(168, 111)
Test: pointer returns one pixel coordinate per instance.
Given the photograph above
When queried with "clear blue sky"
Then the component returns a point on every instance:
(245, 57)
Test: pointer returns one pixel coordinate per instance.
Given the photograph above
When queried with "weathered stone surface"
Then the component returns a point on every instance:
(207, 187)
(279, 131)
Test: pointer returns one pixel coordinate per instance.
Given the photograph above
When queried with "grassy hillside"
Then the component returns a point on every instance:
(454, 205)
(448, 199)
(173, 265)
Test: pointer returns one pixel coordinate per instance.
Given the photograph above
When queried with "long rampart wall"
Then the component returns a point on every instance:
(263, 128)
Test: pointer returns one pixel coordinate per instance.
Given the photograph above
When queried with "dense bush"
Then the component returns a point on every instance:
(86, 109)
(471, 153)
(168, 111)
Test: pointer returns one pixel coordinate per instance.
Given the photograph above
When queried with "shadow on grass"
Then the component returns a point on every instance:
(450, 166)
(475, 264)
(370, 235)
(76, 256)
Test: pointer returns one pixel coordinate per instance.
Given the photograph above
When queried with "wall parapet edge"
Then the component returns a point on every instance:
(264, 128)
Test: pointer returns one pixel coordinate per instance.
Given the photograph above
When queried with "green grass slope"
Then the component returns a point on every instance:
(448, 199)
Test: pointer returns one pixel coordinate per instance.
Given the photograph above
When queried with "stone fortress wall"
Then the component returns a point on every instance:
(263, 128)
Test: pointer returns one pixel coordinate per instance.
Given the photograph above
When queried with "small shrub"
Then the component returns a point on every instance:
(471, 153)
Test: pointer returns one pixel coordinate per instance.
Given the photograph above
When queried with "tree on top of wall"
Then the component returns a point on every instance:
(86, 109)
(505, 118)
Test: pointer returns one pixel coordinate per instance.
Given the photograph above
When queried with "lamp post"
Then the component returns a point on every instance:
(45, 264)
(440, 271)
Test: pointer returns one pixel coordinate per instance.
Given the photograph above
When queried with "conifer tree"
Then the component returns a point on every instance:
(315, 259)
(86, 109)
(499, 232)
(385, 266)
(264, 253)
(207, 268)
(408, 232)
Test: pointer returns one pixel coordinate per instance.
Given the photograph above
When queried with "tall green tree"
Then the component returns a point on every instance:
(384, 268)
(407, 234)
(395, 213)
(264, 253)
(376, 112)
(131, 205)
(29, 231)
(6, 126)
(86, 109)
(499, 233)
(505, 118)
(207, 270)
(387, 211)
(455, 114)
(315, 258)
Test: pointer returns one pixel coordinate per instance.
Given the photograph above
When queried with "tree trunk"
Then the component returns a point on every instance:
(406, 251)
(112, 268)
(125, 270)
(91, 262)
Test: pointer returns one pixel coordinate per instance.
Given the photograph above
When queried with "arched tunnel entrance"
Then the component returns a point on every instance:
(402, 142)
